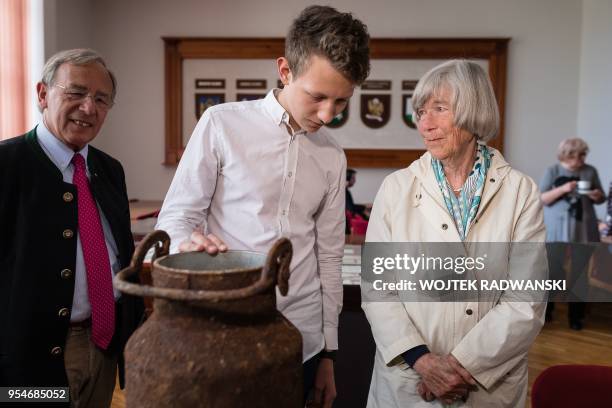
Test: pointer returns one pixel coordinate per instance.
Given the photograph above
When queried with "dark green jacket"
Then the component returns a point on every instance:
(34, 251)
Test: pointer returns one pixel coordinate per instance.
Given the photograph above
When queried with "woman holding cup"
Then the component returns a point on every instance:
(570, 188)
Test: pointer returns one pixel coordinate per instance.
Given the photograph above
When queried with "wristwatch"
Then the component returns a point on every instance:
(330, 354)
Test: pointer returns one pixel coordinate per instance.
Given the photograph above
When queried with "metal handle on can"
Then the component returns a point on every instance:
(275, 271)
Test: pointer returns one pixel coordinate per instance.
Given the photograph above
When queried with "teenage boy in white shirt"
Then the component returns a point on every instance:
(258, 170)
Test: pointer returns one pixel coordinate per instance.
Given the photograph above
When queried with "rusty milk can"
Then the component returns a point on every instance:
(215, 338)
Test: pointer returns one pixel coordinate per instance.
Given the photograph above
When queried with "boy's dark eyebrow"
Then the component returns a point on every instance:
(323, 96)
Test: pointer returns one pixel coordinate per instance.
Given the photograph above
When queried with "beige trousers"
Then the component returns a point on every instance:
(91, 373)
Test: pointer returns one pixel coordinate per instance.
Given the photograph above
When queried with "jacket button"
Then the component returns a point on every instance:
(63, 312)
(67, 233)
(469, 312)
(492, 180)
(66, 274)
(56, 351)
(68, 197)
(444, 227)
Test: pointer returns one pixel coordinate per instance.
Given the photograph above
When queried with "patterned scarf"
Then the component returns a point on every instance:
(463, 208)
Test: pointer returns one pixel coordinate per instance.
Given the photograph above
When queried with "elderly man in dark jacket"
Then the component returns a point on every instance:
(64, 233)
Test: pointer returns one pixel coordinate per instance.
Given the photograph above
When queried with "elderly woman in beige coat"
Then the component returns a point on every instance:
(471, 354)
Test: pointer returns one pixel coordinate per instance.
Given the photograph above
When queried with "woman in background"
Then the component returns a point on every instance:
(569, 215)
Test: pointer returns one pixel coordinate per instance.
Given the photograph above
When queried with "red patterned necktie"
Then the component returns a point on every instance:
(97, 263)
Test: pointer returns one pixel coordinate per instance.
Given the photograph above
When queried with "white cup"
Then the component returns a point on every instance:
(584, 185)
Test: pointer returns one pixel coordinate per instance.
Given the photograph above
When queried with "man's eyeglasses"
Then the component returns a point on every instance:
(102, 102)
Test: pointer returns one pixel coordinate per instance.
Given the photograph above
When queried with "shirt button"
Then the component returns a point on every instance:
(284, 212)
(56, 351)
(469, 312)
(492, 180)
(444, 227)
(66, 274)
(68, 197)
(67, 233)
(63, 312)
(290, 174)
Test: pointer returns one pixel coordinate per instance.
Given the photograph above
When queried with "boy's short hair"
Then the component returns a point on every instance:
(324, 31)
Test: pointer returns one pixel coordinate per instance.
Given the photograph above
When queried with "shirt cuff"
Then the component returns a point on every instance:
(412, 355)
(331, 338)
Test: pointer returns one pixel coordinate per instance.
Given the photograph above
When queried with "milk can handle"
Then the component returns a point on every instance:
(277, 265)
(275, 271)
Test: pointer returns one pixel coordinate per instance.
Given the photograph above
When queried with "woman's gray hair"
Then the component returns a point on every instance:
(79, 56)
(573, 146)
(472, 102)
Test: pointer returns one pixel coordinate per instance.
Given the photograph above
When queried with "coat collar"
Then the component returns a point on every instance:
(32, 139)
(60, 154)
(496, 174)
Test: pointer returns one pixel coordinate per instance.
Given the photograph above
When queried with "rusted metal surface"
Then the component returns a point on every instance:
(215, 338)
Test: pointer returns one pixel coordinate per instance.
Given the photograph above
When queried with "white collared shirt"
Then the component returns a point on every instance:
(248, 179)
(61, 155)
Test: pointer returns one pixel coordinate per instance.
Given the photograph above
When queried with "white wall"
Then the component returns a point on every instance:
(595, 102)
(68, 24)
(65, 24)
(543, 71)
(36, 56)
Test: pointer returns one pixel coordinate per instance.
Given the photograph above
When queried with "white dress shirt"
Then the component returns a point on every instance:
(249, 179)
(61, 155)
